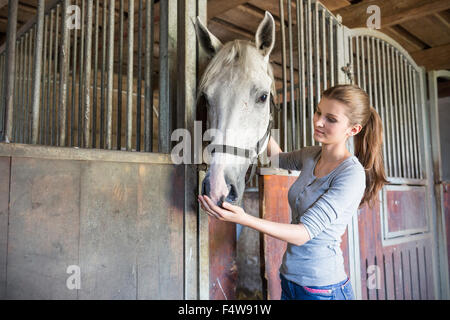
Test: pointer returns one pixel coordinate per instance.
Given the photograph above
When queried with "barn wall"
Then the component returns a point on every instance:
(444, 120)
(118, 219)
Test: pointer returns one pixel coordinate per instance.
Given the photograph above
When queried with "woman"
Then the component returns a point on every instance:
(332, 186)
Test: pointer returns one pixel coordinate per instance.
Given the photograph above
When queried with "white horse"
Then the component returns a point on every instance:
(237, 86)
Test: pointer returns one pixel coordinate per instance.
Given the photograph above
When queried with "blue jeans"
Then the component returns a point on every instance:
(338, 291)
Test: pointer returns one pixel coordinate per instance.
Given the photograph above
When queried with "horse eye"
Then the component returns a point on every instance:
(263, 98)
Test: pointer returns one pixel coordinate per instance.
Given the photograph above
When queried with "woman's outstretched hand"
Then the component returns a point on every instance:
(228, 212)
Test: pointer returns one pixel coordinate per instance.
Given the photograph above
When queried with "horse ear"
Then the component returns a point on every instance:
(265, 35)
(207, 40)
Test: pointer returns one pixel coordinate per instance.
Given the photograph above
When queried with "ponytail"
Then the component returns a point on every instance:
(368, 149)
(368, 142)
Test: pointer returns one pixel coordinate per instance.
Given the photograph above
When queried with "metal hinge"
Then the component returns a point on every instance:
(348, 70)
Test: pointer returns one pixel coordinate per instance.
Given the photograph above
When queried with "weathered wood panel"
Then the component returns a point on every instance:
(43, 228)
(446, 187)
(394, 271)
(4, 198)
(121, 223)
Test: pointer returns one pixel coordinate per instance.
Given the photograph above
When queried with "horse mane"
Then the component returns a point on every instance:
(241, 54)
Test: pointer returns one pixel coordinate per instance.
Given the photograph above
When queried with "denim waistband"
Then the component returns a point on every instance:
(331, 286)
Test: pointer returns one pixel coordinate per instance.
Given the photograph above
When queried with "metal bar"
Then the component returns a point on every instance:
(323, 34)
(317, 58)
(369, 69)
(331, 49)
(102, 81)
(291, 75)
(2, 110)
(44, 74)
(399, 119)
(415, 124)
(119, 84)
(9, 73)
(283, 62)
(405, 142)
(87, 76)
(375, 77)
(63, 69)
(390, 113)
(74, 79)
(55, 76)
(386, 124)
(94, 94)
(148, 111)
(16, 92)
(414, 150)
(49, 68)
(309, 71)
(358, 57)
(110, 69)
(139, 80)
(363, 64)
(396, 115)
(37, 71)
(80, 80)
(130, 75)
(301, 99)
(27, 90)
(409, 145)
(20, 106)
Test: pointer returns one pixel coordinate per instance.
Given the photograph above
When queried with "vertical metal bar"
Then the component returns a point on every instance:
(87, 76)
(2, 110)
(139, 80)
(291, 75)
(316, 55)
(390, 127)
(27, 86)
(301, 99)
(363, 63)
(331, 49)
(74, 80)
(323, 34)
(383, 99)
(94, 94)
(415, 124)
(17, 90)
(49, 68)
(375, 78)
(37, 71)
(405, 141)
(21, 107)
(309, 70)
(370, 59)
(358, 57)
(16, 94)
(130, 74)
(9, 73)
(412, 124)
(148, 112)
(395, 109)
(109, 97)
(44, 74)
(24, 85)
(283, 62)
(409, 146)
(119, 84)
(63, 69)
(102, 81)
(80, 80)
(55, 76)
(400, 123)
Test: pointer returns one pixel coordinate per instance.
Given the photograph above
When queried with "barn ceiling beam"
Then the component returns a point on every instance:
(435, 58)
(392, 12)
(216, 7)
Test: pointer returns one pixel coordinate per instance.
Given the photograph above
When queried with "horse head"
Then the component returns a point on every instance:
(236, 88)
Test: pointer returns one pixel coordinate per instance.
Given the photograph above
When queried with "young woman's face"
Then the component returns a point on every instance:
(331, 125)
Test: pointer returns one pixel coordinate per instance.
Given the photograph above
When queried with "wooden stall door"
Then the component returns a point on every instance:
(274, 206)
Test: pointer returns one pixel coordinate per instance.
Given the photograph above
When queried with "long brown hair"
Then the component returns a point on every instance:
(368, 142)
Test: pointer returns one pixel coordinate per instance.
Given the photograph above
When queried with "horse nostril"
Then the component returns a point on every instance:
(205, 187)
(232, 195)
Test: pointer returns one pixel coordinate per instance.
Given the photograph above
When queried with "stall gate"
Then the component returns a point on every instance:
(91, 204)
(390, 252)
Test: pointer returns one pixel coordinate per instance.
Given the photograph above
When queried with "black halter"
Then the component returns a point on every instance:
(248, 153)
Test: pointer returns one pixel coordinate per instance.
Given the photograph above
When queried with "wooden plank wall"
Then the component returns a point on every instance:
(275, 207)
(405, 270)
(446, 186)
(121, 223)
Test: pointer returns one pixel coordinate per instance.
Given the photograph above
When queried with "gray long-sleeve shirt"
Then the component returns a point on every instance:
(325, 206)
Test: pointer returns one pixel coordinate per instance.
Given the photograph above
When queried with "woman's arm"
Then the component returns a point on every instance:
(292, 233)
